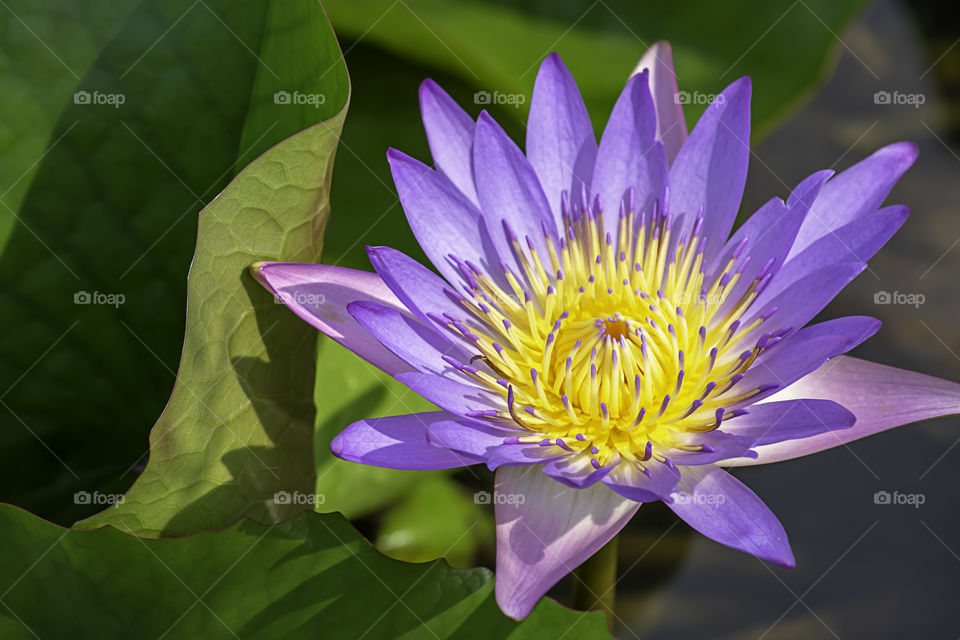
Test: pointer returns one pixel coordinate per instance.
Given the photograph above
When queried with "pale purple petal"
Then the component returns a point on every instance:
(508, 187)
(477, 438)
(545, 530)
(397, 442)
(629, 154)
(450, 134)
(881, 397)
(856, 192)
(671, 126)
(416, 344)
(711, 167)
(722, 508)
(320, 293)
(561, 145)
(512, 455)
(578, 470)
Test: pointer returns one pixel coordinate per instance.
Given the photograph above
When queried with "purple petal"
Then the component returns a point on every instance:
(320, 293)
(798, 304)
(545, 530)
(450, 134)
(630, 482)
(415, 343)
(856, 192)
(523, 455)
(453, 396)
(419, 289)
(711, 166)
(443, 220)
(721, 507)
(397, 442)
(577, 470)
(773, 422)
(477, 438)
(671, 126)
(719, 445)
(629, 154)
(803, 352)
(508, 187)
(561, 145)
(880, 397)
(853, 242)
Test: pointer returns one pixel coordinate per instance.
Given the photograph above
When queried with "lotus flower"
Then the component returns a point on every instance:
(596, 334)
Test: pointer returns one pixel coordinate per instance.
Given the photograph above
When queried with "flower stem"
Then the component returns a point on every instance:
(594, 582)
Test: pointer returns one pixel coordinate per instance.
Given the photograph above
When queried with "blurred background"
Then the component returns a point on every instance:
(105, 200)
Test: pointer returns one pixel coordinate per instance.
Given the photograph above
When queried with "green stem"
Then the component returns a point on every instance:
(594, 581)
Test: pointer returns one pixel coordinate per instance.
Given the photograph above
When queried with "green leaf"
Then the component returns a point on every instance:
(497, 46)
(239, 425)
(307, 578)
(111, 209)
(438, 519)
(349, 389)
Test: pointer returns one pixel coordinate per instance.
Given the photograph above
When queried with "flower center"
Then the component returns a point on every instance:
(622, 350)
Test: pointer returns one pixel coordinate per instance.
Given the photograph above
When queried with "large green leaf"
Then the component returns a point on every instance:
(239, 425)
(111, 208)
(313, 577)
(497, 46)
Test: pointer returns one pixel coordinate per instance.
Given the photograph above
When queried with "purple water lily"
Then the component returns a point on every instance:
(597, 336)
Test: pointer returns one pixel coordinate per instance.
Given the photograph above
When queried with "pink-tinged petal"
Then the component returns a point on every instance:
(416, 344)
(711, 167)
(397, 442)
(856, 192)
(881, 397)
(446, 224)
(456, 397)
(508, 187)
(320, 293)
(630, 155)
(671, 125)
(722, 508)
(630, 482)
(545, 530)
(773, 422)
(450, 135)
(561, 145)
